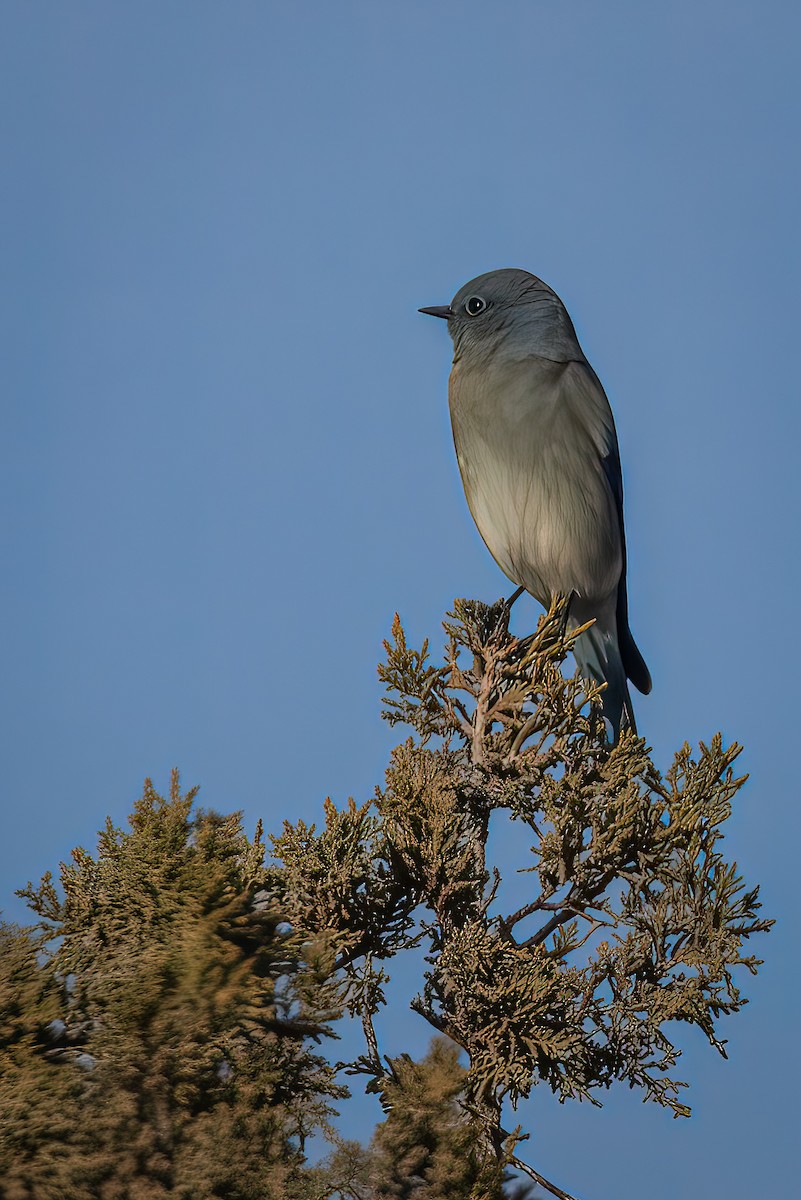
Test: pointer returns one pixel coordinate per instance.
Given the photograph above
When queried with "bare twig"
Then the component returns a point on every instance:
(570, 909)
(496, 881)
(462, 715)
(506, 924)
(540, 1179)
(482, 707)
(371, 1039)
(523, 734)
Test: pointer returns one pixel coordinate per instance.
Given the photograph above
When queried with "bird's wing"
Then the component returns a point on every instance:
(606, 442)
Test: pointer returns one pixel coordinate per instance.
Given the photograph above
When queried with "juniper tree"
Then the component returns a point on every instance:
(426, 1147)
(157, 1036)
(157, 1029)
(37, 1100)
(633, 922)
(166, 1042)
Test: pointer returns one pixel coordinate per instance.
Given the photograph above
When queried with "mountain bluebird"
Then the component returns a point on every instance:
(537, 450)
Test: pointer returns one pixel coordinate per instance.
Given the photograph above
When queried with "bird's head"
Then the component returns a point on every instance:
(510, 312)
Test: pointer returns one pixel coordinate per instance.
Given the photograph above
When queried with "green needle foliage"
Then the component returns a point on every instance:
(633, 921)
(426, 1149)
(166, 1027)
(181, 1059)
(38, 1102)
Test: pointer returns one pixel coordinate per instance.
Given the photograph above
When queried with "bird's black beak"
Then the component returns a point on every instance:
(442, 310)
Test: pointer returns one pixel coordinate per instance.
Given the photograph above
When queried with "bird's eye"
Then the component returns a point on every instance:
(474, 306)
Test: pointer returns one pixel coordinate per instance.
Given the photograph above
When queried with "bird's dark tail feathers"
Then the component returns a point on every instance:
(598, 657)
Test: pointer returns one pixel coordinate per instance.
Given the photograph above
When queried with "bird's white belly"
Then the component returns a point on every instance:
(542, 503)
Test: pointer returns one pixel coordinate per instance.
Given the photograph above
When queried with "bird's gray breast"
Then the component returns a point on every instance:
(530, 437)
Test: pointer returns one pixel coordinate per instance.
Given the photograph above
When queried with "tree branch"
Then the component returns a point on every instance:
(573, 906)
(540, 1179)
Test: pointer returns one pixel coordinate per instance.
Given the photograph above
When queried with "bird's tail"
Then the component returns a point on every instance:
(597, 656)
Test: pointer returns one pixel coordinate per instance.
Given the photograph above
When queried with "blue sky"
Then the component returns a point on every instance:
(226, 451)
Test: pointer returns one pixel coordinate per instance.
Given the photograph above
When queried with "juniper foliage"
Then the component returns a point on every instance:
(426, 1148)
(166, 1027)
(633, 921)
(165, 1043)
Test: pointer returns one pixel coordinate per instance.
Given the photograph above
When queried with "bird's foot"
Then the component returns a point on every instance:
(514, 597)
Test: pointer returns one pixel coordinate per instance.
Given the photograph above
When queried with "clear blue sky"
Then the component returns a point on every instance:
(226, 450)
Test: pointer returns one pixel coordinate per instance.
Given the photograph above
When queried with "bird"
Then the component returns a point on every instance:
(538, 454)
